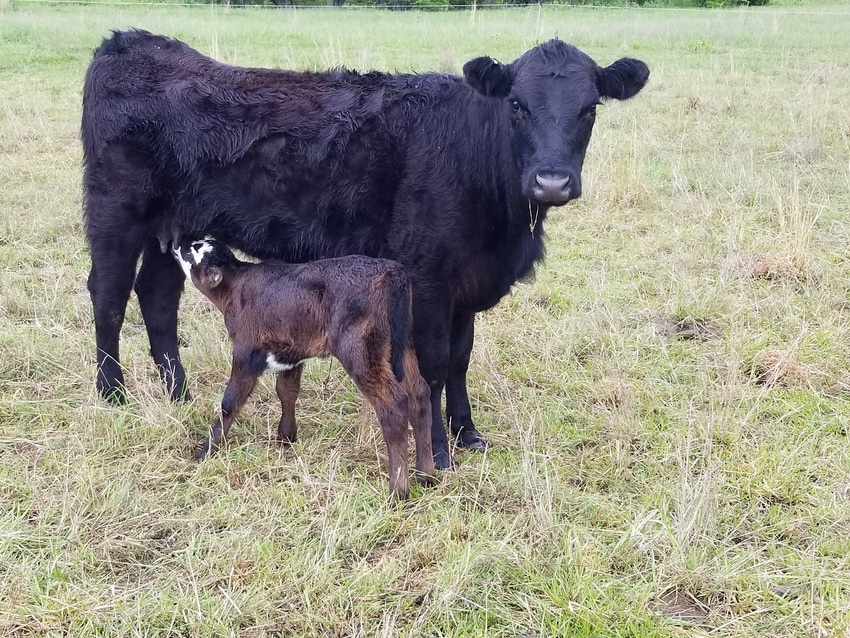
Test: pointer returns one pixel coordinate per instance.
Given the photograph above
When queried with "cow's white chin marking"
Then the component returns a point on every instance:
(276, 366)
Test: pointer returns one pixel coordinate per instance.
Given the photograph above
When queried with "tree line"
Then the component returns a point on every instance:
(465, 4)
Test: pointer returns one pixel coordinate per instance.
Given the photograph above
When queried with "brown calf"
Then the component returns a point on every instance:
(355, 308)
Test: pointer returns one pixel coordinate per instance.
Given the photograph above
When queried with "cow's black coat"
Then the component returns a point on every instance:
(450, 176)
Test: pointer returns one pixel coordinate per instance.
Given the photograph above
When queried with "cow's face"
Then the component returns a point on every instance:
(550, 95)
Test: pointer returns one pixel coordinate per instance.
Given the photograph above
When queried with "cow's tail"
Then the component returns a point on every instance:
(400, 318)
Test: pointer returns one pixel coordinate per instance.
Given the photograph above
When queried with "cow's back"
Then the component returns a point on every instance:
(293, 165)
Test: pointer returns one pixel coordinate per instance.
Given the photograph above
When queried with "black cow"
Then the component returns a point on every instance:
(450, 176)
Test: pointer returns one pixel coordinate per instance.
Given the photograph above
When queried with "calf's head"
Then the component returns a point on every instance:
(204, 262)
(550, 95)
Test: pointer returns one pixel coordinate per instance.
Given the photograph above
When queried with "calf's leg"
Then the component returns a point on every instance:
(288, 386)
(372, 375)
(419, 415)
(393, 422)
(159, 286)
(238, 390)
(431, 325)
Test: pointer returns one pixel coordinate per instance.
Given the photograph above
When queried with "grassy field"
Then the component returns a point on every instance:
(668, 403)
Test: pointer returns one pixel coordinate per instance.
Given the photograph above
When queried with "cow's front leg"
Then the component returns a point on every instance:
(159, 285)
(458, 411)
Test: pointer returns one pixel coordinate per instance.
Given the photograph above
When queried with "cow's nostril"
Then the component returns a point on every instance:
(552, 188)
(550, 183)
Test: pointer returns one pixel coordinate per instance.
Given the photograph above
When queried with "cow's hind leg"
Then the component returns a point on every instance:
(159, 286)
(458, 411)
(288, 386)
(116, 185)
(113, 257)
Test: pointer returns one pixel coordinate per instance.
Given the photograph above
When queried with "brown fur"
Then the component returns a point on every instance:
(347, 308)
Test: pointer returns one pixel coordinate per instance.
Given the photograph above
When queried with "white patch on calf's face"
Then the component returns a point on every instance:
(199, 249)
(185, 265)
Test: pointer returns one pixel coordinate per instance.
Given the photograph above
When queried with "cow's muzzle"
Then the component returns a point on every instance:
(551, 188)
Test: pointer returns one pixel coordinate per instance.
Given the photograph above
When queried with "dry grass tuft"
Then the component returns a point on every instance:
(781, 266)
(771, 368)
(616, 393)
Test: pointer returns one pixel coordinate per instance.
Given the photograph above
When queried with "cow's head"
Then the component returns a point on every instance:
(550, 95)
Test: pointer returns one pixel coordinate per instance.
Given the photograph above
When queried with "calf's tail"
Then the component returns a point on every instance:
(400, 319)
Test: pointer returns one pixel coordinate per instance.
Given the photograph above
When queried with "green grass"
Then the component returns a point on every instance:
(639, 484)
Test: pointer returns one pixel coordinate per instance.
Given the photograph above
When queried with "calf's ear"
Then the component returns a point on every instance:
(211, 277)
(488, 76)
(623, 79)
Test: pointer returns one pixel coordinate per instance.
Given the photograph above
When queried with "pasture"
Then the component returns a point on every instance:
(667, 403)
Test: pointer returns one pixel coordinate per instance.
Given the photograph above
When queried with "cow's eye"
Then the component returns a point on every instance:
(516, 108)
(589, 111)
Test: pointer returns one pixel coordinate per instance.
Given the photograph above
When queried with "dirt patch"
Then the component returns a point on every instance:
(684, 328)
(680, 605)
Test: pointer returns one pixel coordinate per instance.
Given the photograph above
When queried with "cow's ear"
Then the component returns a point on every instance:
(212, 277)
(623, 79)
(488, 76)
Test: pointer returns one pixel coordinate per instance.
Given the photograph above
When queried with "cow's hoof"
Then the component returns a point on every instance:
(444, 461)
(470, 439)
(114, 394)
(207, 449)
(182, 396)
(177, 388)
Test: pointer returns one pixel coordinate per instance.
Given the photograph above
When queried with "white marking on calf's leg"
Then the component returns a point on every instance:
(276, 366)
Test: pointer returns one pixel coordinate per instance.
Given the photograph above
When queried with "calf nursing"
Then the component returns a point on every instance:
(354, 308)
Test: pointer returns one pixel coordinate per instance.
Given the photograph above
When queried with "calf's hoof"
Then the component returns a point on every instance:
(400, 490)
(470, 439)
(424, 479)
(287, 432)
